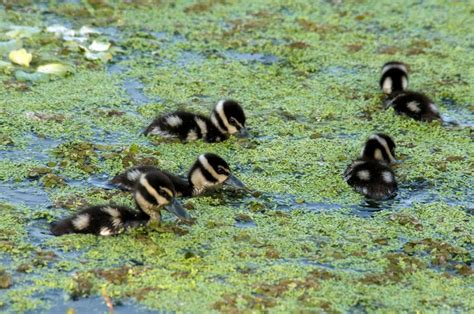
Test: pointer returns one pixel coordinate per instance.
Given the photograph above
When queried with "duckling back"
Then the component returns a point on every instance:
(415, 105)
(102, 220)
(372, 179)
(129, 177)
(185, 126)
(371, 174)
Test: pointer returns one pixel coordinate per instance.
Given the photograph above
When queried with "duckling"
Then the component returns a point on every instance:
(394, 77)
(152, 191)
(414, 105)
(209, 171)
(227, 118)
(370, 175)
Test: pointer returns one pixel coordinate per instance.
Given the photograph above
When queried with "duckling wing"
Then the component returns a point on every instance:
(178, 124)
(416, 106)
(127, 179)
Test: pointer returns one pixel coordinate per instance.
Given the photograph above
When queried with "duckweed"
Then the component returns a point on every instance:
(307, 76)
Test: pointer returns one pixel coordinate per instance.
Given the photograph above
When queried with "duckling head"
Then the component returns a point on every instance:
(394, 77)
(229, 117)
(154, 191)
(379, 147)
(209, 171)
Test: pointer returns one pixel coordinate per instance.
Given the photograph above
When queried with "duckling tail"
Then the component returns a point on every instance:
(62, 227)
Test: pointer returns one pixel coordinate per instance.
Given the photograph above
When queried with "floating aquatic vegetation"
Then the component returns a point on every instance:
(7, 46)
(23, 76)
(6, 67)
(99, 46)
(96, 51)
(20, 57)
(79, 155)
(5, 279)
(87, 30)
(41, 116)
(101, 56)
(244, 253)
(60, 30)
(18, 32)
(54, 69)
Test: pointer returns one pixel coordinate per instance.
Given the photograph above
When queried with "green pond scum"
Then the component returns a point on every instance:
(306, 73)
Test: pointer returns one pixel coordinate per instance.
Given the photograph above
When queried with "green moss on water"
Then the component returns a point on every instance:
(307, 77)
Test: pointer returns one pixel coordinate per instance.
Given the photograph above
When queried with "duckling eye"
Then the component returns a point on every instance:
(163, 192)
(233, 121)
(222, 170)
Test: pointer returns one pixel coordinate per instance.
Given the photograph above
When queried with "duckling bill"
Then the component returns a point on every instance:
(371, 174)
(227, 118)
(153, 191)
(208, 172)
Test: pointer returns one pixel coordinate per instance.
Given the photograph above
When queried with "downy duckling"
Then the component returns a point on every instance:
(415, 105)
(370, 175)
(152, 191)
(227, 118)
(209, 171)
(394, 77)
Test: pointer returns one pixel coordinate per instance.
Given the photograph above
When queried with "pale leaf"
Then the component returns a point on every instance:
(99, 46)
(60, 30)
(54, 69)
(102, 56)
(20, 57)
(86, 30)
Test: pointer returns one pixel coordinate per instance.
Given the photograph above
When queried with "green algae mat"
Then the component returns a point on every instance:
(80, 80)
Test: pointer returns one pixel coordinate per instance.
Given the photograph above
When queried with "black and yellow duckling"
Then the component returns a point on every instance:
(394, 77)
(153, 191)
(227, 118)
(415, 105)
(209, 171)
(371, 174)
